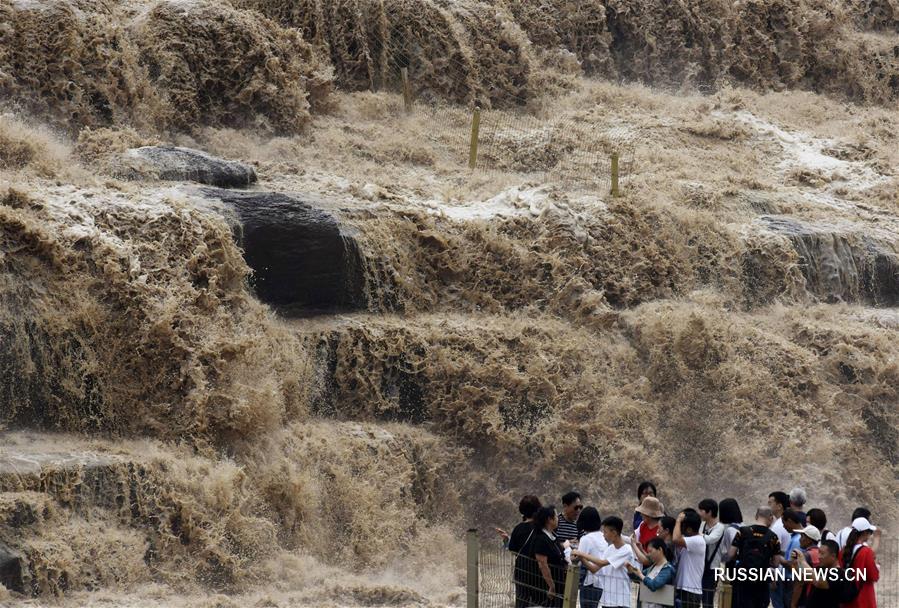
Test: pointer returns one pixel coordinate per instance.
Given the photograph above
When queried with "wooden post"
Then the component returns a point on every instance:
(615, 191)
(571, 586)
(407, 90)
(475, 129)
(472, 574)
(727, 596)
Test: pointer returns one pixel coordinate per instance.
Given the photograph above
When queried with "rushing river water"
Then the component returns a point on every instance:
(416, 345)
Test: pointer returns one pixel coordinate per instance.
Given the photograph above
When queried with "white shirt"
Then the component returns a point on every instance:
(711, 536)
(830, 536)
(595, 544)
(782, 535)
(616, 586)
(690, 564)
(730, 532)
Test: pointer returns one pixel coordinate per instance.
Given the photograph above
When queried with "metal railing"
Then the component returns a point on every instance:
(498, 578)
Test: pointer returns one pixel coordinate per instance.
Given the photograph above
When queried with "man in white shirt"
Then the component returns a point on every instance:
(691, 549)
(612, 565)
(593, 542)
(780, 502)
(712, 531)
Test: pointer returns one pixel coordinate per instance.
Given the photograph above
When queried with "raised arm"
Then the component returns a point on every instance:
(678, 536)
(638, 551)
(592, 562)
(875, 539)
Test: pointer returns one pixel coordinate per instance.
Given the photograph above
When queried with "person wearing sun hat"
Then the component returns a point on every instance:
(858, 556)
(652, 511)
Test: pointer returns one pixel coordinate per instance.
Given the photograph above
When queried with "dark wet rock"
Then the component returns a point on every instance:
(304, 260)
(185, 165)
(842, 263)
(13, 569)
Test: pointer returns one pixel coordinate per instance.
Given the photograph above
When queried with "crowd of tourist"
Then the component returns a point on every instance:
(784, 556)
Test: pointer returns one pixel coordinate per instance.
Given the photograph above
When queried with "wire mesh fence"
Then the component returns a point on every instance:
(508, 580)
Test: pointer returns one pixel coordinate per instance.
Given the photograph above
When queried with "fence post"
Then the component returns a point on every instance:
(475, 128)
(571, 581)
(615, 191)
(407, 90)
(727, 596)
(472, 574)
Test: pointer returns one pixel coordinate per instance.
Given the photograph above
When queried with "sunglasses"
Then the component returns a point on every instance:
(578, 507)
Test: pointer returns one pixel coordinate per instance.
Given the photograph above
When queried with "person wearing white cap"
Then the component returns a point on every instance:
(809, 537)
(843, 534)
(858, 556)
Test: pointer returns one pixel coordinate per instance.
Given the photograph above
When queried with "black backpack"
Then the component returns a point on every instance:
(755, 549)
(849, 588)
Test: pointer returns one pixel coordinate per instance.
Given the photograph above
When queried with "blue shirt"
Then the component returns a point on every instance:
(794, 544)
(664, 577)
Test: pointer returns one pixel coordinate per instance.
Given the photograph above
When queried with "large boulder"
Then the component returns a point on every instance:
(172, 163)
(12, 575)
(304, 260)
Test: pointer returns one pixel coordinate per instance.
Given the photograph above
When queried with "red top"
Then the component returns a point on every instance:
(864, 561)
(814, 560)
(646, 534)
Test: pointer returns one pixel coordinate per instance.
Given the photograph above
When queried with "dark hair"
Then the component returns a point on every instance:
(691, 521)
(817, 518)
(832, 545)
(643, 487)
(570, 498)
(543, 515)
(528, 506)
(781, 498)
(658, 543)
(667, 523)
(589, 520)
(710, 505)
(792, 515)
(849, 547)
(861, 512)
(730, 512)
(613, 522)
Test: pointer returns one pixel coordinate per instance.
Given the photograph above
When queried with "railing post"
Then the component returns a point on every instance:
(571, 580)
(472, 574)
(727, 596)
(407, 90)
(615, 191)
(475, 128)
